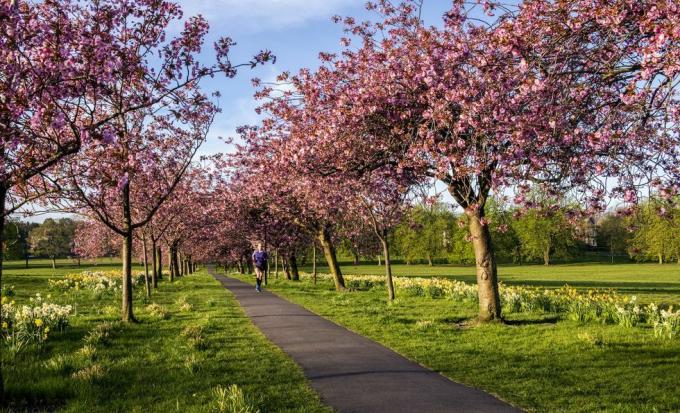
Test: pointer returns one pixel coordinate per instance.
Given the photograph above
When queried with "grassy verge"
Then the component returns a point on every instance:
(193, 341)
(650, 282)
(537, 362)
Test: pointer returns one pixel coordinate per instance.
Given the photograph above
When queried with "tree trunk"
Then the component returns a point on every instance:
(175, 261)
(54, 263)
(388, 267)
(126, 310)
(331, 258)
(147, 282)
(126, 314)
(314, 263)
(171, 265)
(154, 266)
(249, 264)
(357, 260)
(294, 268)
(276, 264)
(429, 260)
(160, 262)
(286, 267)
(487, 276)
(660, 258)
(546, 257)
(380, 261)
(3, 200)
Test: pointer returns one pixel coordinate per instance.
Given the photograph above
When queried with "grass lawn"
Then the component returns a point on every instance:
(158, 365)
(537, 362)
(650, 282)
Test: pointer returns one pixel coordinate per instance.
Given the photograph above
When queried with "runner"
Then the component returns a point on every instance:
(260, 261)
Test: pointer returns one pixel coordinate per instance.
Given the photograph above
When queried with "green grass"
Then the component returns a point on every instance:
(159, 365)
(537, 361)
(650, 282)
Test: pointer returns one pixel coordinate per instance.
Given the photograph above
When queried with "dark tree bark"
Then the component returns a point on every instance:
(127, 313)
(159, 254)
(295, 274)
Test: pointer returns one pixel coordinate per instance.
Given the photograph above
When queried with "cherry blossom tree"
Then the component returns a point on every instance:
(568, 96)
(158, 118)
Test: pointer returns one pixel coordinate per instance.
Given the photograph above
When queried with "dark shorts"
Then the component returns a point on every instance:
(260, 267)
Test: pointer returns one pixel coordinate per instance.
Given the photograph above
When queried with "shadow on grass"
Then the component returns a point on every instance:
(550, 319)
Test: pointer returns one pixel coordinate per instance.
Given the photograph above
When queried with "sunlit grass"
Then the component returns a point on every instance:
(536, 361)
(192, 338)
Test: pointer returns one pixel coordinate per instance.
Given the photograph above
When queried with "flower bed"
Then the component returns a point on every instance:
(603, 306)
(99, 281)
(31, 324)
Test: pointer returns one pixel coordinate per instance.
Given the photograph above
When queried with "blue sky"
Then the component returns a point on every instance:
(295, 30)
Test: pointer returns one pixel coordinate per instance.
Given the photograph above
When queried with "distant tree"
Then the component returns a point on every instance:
(656, 232)
(16, 245)
(613, 233)
(506, 242)
(426, 232)
(53, 239)
(543, 234)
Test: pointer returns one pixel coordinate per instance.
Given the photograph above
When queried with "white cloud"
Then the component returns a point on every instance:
(264, 14)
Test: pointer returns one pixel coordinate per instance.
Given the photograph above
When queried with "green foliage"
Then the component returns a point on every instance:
(16, 241)
(429, 233)
(656, 235)
(53, 239)
(544, 234)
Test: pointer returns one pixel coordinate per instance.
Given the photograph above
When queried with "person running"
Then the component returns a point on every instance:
(260, 261)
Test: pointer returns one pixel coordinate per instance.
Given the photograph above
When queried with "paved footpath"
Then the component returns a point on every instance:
(351, 372)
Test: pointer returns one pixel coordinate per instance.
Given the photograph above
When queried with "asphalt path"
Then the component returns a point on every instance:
(350, 372)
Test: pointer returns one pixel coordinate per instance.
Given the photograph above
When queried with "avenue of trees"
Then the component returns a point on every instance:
(102, 113)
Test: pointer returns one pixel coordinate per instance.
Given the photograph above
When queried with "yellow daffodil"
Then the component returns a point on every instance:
(38, 322)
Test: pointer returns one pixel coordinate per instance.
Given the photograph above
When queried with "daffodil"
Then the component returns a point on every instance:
(38, 322)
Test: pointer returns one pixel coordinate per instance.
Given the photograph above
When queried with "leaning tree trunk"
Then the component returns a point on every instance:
(54, 263)
(388, 266)
(147, 282)
(331, 258)
(154, 264)
(487, 275)
(127, 314)
(295, 274)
